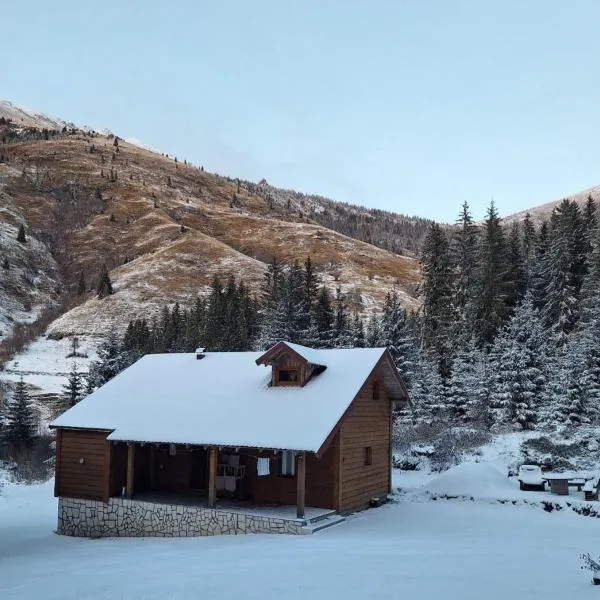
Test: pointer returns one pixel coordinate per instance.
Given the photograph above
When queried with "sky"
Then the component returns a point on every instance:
(412, 106)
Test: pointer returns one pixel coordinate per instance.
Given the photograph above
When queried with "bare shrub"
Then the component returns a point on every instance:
(30, 465)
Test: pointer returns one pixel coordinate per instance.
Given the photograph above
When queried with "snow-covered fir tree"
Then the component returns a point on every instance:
(20, 429)
(518, 366)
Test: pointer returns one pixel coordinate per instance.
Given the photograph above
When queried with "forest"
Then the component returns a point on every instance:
(507, 333)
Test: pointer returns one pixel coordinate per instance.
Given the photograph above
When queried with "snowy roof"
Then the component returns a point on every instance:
(311, 355)
(226, 399)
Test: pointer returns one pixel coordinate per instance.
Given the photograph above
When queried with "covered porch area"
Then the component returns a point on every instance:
(294, 485)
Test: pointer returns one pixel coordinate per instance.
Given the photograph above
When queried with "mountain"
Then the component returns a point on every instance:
(544, 211)
(164, 228)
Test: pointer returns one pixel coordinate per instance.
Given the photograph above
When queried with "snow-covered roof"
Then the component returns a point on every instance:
(311, 355)
(224, 399)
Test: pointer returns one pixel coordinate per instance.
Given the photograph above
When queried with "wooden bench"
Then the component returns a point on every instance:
(590, 488)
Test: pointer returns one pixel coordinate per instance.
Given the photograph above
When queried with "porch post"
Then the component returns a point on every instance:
(152, 467)
(130, 470)
(300, 484)
(212, 478)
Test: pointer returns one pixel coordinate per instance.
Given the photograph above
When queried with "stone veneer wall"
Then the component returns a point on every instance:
(134, 518)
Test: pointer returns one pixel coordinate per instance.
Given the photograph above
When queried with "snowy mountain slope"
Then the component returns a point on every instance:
(28, 272)
(23, 117)
(165, 228)
(543, 212)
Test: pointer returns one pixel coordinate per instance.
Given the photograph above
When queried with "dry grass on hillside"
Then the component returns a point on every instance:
(165, 228)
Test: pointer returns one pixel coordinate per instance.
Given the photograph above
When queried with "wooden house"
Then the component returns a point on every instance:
(221, 440)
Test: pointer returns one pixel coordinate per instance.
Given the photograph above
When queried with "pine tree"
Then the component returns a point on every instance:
(113, 358)
(396, 336)
(104, 287)
(323, 318)
(565, 266)
(20, 429)
(518, 363)
(464, 260)
(342, 335)
(21, 238)
(493, 286)
(467, 388)
(5, 264)
(73, 390)
(437, 312)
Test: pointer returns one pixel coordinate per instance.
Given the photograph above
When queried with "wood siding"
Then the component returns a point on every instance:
(86, 479)
(365, 425)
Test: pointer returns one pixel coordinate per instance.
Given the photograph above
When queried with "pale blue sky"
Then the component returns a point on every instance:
(408, 105)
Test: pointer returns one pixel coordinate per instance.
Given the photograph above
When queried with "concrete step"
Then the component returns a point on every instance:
(323, 523)
(321, 517)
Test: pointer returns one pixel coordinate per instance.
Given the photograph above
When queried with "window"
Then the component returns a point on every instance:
(288, 376)
(368, 456)
(376, 390)
(288, 464)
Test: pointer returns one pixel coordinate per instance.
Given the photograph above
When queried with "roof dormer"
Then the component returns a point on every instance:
(292, 365)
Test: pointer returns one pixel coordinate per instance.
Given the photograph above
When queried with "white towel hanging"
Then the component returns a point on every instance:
(262, 466)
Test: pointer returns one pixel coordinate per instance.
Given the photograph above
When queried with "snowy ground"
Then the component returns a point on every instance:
(44, 363)
(415, 548)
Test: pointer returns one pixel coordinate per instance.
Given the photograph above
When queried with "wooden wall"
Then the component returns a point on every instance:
(321, 481)
(367, 424)
(76, 478)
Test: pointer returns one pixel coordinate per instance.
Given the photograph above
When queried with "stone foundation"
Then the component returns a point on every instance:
(120, 517)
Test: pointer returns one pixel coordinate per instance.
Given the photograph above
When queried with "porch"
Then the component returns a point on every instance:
(256, 482)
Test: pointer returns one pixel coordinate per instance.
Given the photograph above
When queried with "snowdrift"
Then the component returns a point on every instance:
(472, 479)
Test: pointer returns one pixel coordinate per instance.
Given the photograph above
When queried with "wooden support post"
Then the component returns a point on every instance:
(301, 485)
(212, 477)
(390, 450)
(130, 470)
(57, 464)
(152, 467)
(106, 483)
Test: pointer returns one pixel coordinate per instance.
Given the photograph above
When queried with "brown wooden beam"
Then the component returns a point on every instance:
(106, 483)
(152, 467)
(212, 477)
(130, 470)
(300, 485)
(57, 462)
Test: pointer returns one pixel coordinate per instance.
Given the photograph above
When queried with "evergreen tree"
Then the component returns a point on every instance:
(113, 358)
(5, 264)
(539, 277)
(437, 293)
(324, 318)
(73, 390)
(464, 260)
(519, 376)
(565, 268)
(467, 389)
(342, 335)
(20, 429)
(104, 287)
(493, 286)
(396, 336)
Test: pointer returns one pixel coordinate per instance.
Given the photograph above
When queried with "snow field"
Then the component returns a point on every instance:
(420, 550)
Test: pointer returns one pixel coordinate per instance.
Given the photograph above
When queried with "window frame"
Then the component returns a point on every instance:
(368, 456)
(288, 381)
(287, 464)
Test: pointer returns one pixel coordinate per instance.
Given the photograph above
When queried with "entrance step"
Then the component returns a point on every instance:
(322, 522)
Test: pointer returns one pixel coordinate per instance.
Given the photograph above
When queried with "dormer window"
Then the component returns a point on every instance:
(292, 365)
(288, 376)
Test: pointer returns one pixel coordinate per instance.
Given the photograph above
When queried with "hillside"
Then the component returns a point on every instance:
(544, 211)
(163, 228)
